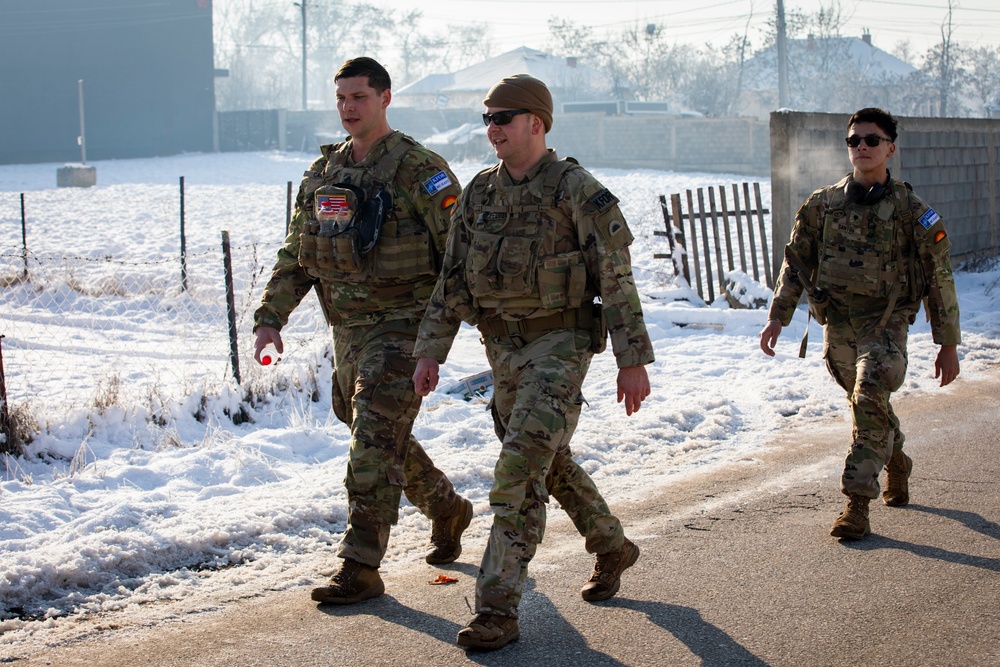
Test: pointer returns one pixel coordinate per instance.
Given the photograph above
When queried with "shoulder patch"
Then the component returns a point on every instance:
(602, 201)
(436, 183)
(928, 219)
(940, 236)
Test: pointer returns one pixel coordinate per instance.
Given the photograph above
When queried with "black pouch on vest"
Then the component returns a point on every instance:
(369, 219)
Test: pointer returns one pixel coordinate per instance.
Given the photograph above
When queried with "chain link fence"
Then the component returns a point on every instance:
(86, 332)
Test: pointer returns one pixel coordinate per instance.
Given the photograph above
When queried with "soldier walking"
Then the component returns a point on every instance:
(371, 220)
(867, 250)
(534, 241)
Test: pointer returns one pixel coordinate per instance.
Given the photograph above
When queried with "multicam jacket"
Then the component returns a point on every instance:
(870, 258)
(519, 251)
(393, 281)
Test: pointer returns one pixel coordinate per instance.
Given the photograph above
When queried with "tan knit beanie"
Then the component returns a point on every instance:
(522, 91)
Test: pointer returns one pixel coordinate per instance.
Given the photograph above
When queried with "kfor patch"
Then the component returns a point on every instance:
(603, 200)
(436, 183)
(929, 218)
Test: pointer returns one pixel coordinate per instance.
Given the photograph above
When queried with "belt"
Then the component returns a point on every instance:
(577, 318)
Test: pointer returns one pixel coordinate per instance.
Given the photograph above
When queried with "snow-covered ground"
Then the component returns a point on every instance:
(110, 509)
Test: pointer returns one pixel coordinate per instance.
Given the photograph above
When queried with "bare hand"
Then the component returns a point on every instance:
(946, 364)
(633, 387)
(425, 377)
(266, 335)
(769, 337)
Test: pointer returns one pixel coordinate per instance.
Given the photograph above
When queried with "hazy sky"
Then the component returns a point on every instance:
(525, 22)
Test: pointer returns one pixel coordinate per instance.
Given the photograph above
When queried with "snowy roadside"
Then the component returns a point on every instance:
(109, 512)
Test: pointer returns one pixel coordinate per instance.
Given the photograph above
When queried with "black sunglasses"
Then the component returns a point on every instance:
(502, 117)
(871, 140)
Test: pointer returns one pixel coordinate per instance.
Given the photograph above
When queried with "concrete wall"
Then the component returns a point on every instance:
(952, 164)
(732, 145)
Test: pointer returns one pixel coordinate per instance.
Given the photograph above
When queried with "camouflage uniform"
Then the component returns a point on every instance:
(374, 308)
(524, 263)
(876, 262)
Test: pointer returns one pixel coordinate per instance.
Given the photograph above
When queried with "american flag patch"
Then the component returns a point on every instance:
(331, 207)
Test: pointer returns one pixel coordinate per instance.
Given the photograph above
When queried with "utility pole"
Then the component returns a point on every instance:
(302, 6)
(782, 57)
(83, 132)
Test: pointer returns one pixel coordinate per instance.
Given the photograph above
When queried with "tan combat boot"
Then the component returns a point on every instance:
(353, 582)
(489, 632)
(606, 579)
(852, 524)
(897, 480)
(446, 534)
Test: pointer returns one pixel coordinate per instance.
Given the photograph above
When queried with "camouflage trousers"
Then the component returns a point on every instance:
(869, 363)
(536, 407)
(373, 394)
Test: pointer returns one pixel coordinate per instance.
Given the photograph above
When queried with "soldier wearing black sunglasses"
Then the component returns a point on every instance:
(871, 140)
(876, 251)
(535, 241)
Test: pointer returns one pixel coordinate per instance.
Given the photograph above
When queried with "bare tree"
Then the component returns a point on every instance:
(252, 42)
(942, 64)
(467, 45)
(983, 66)
(570, 39)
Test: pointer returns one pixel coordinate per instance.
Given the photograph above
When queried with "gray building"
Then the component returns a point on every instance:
(147, 68)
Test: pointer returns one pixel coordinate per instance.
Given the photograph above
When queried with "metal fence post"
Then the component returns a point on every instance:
(24, 238)
(7, 446)
(184, 270)
(234, 347)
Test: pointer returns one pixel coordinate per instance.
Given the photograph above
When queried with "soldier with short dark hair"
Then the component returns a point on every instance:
(371, 220)
(867, 250)
(535, 241)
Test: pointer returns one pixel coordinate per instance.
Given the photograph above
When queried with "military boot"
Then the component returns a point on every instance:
(489, 632)
(353, 582)
(446, 534)
(852, 524)
(897, 480)
(606, 579)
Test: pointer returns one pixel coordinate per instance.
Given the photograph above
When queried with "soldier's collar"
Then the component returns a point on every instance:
(549, 158)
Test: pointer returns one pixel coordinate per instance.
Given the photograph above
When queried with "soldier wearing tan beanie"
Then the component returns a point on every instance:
(534, 242)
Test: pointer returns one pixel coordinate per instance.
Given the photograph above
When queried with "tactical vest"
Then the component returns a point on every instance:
(404, 249)
(512, 260)
(863, 249)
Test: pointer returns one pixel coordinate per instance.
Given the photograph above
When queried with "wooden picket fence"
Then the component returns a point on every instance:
(717, 230)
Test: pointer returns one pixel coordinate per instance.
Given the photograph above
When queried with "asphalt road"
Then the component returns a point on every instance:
(737, 568)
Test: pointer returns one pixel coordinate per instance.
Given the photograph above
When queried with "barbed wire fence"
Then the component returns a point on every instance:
(84, 334)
